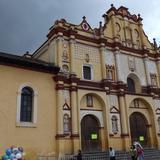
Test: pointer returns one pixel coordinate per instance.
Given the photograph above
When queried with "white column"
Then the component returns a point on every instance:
(59, 51)
(145, 60)
(74, 110)
(59, 112)
(102, 55)
(123, 115)
(72, 52)
(117, 67)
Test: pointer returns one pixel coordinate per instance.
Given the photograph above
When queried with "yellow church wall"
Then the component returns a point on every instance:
(80, 53)
(65, 146)
(40, 137)
(95, 69)
(116, 143)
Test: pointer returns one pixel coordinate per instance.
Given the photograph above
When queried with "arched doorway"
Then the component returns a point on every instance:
(90, 137)
(139, 129)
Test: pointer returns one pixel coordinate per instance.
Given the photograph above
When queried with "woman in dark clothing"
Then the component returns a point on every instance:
(79, 155)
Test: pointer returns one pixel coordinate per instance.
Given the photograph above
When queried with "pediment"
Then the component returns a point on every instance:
(84, 25)
(66, 106)
(114, 110)
(158, 111)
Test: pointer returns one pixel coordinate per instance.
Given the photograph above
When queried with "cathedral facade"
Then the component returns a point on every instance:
(105, 91)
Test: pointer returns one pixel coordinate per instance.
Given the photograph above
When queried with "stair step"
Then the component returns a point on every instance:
(149, 154)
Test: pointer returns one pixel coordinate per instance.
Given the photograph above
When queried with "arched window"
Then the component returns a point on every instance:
(131, 85)
(158, 124)
(26, 105)
(114, 124)
(66, 123)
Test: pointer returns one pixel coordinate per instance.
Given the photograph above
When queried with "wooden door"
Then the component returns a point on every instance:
(90, 138)
(139, 129)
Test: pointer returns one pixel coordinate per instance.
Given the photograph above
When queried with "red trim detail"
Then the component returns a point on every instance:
(111, 135)
(58, 136)
(73, 88)
(91, 109)
(118, 88)
(124, 135)
(59, 87)
(75, 135)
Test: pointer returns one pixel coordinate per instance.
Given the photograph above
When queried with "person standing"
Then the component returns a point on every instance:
(112, 154)
(79, 155)
(140, 153)
(133, 152)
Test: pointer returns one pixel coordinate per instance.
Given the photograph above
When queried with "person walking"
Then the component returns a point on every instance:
(133, 152)
(140, 153)
(112, 154)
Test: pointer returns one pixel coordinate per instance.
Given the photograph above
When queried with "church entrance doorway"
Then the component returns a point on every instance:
(139, 129)
(90, 137)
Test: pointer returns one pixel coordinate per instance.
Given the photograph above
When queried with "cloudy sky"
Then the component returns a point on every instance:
(24, 24)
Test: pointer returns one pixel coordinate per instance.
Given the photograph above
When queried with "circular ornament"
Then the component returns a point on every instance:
(85, 26)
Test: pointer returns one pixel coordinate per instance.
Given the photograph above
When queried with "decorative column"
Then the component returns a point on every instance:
(102, 54)
(74, 113)
(124, 120)
(113, 22)
(117, 67)
(145, 60)
(107, 139)
(141, 31)
(133, 37)
(60, 49)
(158, 70)
(59, 110)
(72, 52)
(123, 115)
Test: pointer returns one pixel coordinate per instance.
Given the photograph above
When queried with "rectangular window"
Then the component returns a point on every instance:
(87, 72)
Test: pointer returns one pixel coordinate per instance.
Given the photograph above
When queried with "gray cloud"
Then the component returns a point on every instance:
(25, 23)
